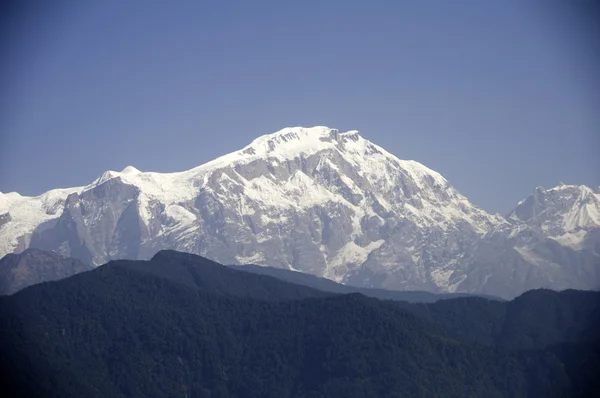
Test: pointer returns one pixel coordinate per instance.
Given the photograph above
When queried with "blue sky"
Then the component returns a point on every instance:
(497, 96)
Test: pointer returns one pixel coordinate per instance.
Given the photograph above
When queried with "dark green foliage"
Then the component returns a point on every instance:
(124, 331)
(534, 320)
(581, 362)
(544, 317)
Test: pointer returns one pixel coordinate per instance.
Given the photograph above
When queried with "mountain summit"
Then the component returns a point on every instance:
(316, 200)
(565, 213)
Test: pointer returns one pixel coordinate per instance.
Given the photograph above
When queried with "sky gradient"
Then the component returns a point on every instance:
(497, 96)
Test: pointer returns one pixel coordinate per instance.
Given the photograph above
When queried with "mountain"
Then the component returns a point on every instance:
(561, 212)
(552, 240)
(33, 266)
(155, 334)
(319, 201)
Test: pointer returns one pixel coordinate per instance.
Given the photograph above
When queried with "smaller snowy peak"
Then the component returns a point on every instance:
(27, 212)
(130, 170)
(10, 199)
(110, 174)
(107, 175)
(561, 209)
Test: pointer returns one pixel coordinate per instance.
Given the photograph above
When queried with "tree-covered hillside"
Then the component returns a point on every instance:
(120, 331)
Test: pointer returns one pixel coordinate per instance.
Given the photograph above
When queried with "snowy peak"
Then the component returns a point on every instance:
(20, 215)
(107, 175)
(110, 174)
(292, 141)
(318, 137)
(293, 146)
(130, 170)
(559, 210)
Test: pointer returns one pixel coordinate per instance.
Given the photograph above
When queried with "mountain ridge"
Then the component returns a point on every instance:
(316, 200)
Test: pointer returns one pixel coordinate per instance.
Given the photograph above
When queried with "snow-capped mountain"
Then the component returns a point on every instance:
(552, 240)
(565, 213)
(315, 200)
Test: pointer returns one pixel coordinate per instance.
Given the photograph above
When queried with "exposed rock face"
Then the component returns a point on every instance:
(17, 271)
(323, 202)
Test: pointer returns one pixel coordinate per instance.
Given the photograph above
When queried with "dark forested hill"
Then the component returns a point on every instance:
(174, 327)
(536, 319)
(206, 275)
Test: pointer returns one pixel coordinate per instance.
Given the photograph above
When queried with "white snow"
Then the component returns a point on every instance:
(529, 255)
(441, 277)
(306, 192)
(180, 215)
(130, 170)
(27, 213)
(350, 254)
(300, 191)
(279, 146)
(566, 213)
(256, 258)
(585, 213)
(574, 239)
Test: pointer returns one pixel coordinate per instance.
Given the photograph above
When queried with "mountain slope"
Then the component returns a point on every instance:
(552, 241)
(155, 337)
(328, 285)
(560, 211)
(33, 266)
(316, 200)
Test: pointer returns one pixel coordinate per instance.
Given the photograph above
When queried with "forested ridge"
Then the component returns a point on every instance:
(182, 326)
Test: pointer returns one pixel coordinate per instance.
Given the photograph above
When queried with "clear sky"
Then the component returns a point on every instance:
(497, 96)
